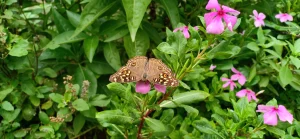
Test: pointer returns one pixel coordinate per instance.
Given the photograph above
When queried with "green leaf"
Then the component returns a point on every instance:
(100, 100)
(167, 116)
(166, 48)
(47, 105)
(135, 10)
(110, 26)
(117, 88)
(171, 8)
(44, 118)
(113, 117)
(64, 38)
(252, 73)
(91, 12)
(7, 106)
(139, 47)
(117, 34)
(90, 45)
(185, 98)
(295, 61)
(20, 133)
(297, 46)
(28, 86)
(178, 41)
(155, 125)
(285, 75)
(204, 126)
(78, 123)
(50, 72)
(152, 32)
(5, 92)
(100, 67)
(253, 46)
(260, 36)
(58, 98)
(80, 105)
(112, 56)
(61, 23)
(276, 131)
(223, 51)
(34, 100)
(273, 53)
(82, 74)
(20, 48)
(243, 108)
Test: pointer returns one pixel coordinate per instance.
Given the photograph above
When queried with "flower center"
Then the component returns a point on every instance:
(221, 13)
(275, 109)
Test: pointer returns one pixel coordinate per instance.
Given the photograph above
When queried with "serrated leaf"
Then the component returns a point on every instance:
(135, 11)
(80, 105)
(90, 45)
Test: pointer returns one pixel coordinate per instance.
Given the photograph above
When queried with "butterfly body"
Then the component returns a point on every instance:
(140, 68)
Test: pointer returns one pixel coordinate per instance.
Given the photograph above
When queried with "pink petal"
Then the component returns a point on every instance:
(289, 17)
(261, 16)
(230, 10)
(160, 88)
(225, 79)
(255, 13)
(242, 79)
(186, 32)
(241, 93)
(212, 67)
(176, 29)
(279, 15)
(216, 26)
(234, 70)
(270, 118)
(226, 84)
(232, 86)
(196, 27)
(259, 23)
(264, 108)
(235, 77)
(213, 4)
(208, 17)
(284, 114)
(230, 21)
(142, 87)
(253, 96)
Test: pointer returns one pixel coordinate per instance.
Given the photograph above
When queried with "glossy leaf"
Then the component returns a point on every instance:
(139, 47)
(5, 92)
(171, 8)
(61, 23)
(116, 34)
(112, 55)
(44, 117)
(90, 45)
(135, 10)
(64, 38)
(166, 48)
(114, 117)
(155, 125)
(7, 106)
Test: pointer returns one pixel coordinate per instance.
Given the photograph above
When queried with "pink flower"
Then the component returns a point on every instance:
(238, 76)
(185, 30)
(229, 82)
(259, 18)
(145, 86)
(284, 17)
(212, 67)
(271, 112)
(213, 20)
(247, 92)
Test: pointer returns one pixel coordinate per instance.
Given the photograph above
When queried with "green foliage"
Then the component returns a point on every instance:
(57, 56)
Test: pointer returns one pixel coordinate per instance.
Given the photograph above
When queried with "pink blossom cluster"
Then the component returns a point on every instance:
(221, 13)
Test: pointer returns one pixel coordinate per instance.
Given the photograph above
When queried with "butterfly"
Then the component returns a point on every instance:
(140, 68)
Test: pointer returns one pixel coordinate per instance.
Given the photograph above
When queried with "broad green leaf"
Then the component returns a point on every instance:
(185, 98)
(47, 105)
(112, 56)
(78, 123)
(223, 51)
(135, 11)
(5, 92)
(117, 34)
(20, 133)
(64, 38)
(178, 41)
(91, 12)
(58, 98)
(61, 23)
(167, 116)
(9, 2)
(260, 36)
(80, 105)
(276, 131)
(155, 125)
(100, 67)
(111, 25)
(20, 48)
(295, 61)
(171, 8)
(113, 117)
(253, 46)
(285, 75)
(191, 111)
(166, 48)
(28, 112)
(90, 45)
(100, 100)
(10, 116)
(273, 53)
(204, 126)
(139, 47)
(152, 32)
(219, 119)
(7, 106)
(84, 74)
(50, 72)
(35, 101)
(44, 118)
(74, 19)
(297, 46)
(264, 81)
(28, 86)
(117, 88)
(243, 108)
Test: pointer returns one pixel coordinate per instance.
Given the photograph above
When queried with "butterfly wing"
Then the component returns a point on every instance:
(132, 72)
(159, 73)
